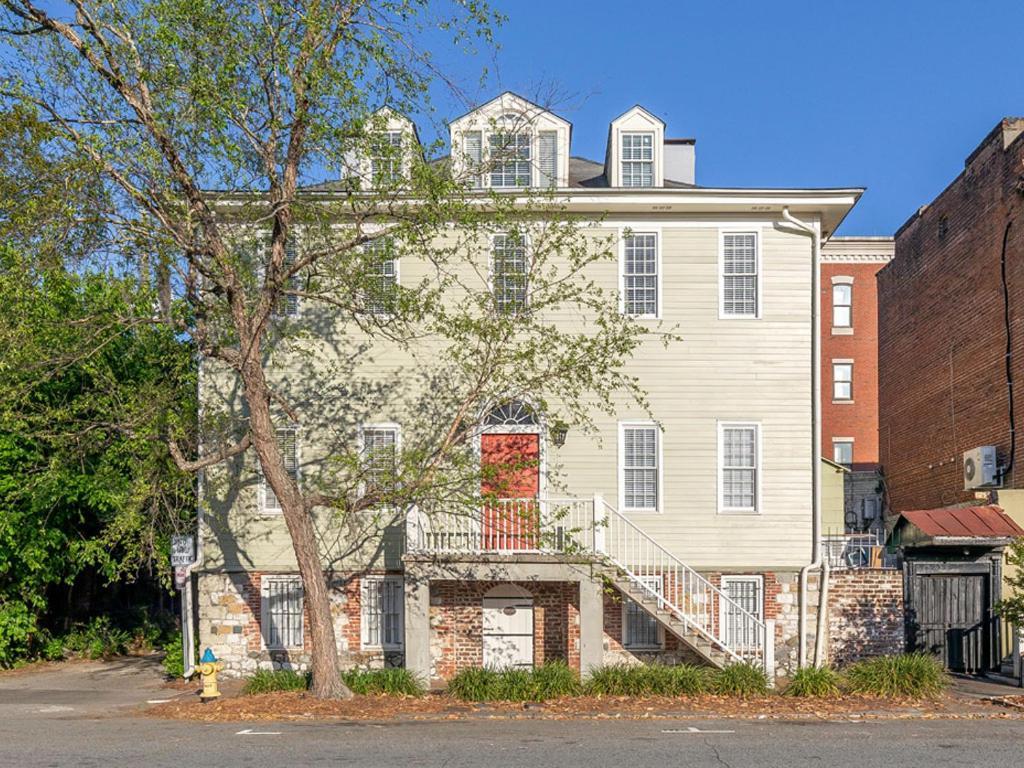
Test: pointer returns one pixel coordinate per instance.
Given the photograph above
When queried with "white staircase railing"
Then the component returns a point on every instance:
(591, 527)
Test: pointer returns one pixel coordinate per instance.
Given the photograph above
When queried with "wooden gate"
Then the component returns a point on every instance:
(949, 614)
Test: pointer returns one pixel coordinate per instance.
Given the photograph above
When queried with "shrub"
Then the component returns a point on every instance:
(649, 680)
(515, 685)
(689, 680)
(474, 684)
(814, 682)
(266, 681)
(742, 679)
(555, 679)
(174, 656)
(383, 682)
(99, 639)
(915, 675)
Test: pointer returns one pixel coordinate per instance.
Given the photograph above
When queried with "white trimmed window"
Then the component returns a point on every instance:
(382, 276)
(640, 275)
(842, 305)
(281, 611)
(842, 381)
(510, 158)
(509, 272)
(386, 158)
(746, 593)
(380, 455)
(288, 443)
(641, 467)
(739, 452)
(381, 612)
(842, 452)
(288, 303)
(637, 159)
(739, 274)
(640, 630)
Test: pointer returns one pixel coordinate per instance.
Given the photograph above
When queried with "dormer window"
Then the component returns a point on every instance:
(510, 159)
(638, 159)
(386, 158)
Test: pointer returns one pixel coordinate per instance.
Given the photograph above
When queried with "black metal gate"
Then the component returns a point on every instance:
(950, 613)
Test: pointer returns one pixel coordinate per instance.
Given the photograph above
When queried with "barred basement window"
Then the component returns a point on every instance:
(640, 275)
(640, 630)
(637, 159)
(288, 442)
(509, 272)
(640, 468)
(739, 274)
(739, 467)
(281, 611)
(746, 594)
(382, 612)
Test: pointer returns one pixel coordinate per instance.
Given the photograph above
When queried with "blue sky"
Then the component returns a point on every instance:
(888, 95)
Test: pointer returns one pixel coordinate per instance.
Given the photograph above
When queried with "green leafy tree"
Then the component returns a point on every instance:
(1012, 607)
(171, 99)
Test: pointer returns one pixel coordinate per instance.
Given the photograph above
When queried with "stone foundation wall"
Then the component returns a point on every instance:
(865, 614)
(229, 607)
(456, 624)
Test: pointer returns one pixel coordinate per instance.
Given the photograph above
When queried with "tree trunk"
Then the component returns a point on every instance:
(327, 682)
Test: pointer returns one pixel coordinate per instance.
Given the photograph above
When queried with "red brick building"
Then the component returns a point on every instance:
(849, 369)
(951, 302)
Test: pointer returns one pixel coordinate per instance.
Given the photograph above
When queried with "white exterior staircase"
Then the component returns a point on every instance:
(688, 604)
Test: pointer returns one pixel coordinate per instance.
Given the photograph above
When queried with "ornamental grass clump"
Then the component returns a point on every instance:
(649, 680)
(743, 680)
(276, 681)
(814, 682)
(383, 682)
(555, 680)
(911, 675)
(552, 680)
(474, 684)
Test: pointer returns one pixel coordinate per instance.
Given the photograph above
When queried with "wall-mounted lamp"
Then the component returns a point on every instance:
(559, 430)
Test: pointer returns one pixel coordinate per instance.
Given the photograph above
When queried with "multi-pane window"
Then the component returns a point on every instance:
(842, 381)
(745, 596)
(739, 274)
(640, 275)
(382, 276)
(288, 301)
(639, 629)
(640, 467)
(842, 305)
(386, 158)
(380, 451)
(288, 443)
(739, 467)
(637, 159)
(510, 159)
(842, 452)
(281, 614)
(509, 272)
(381, 612)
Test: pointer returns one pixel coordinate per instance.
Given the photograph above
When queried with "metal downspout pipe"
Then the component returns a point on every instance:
(816, 558)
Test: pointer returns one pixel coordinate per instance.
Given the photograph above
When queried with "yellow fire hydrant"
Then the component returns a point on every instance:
(208, 669)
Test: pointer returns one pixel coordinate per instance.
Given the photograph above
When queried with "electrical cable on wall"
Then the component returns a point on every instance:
(1009, 356)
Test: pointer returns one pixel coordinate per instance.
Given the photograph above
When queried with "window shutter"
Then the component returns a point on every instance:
(474, 149)
(288, 441)
(548, 160)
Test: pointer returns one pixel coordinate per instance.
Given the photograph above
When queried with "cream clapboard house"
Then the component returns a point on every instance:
(681, 537)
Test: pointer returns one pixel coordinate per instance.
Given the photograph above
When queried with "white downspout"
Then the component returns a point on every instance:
(816, 560)
(188, 635)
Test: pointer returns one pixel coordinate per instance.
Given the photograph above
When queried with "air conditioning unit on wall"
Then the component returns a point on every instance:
(981, 469)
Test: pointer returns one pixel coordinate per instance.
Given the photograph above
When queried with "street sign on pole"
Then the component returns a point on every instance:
(181, 576)
(182, 550)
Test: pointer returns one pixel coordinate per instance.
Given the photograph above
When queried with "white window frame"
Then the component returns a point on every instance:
(525, 238)
(660, 468)
(758, 507)
(648, 231)
(265, 616)
(758, 265)
(397, 157)
(264, 509)
(660, 643)
(842, 441)
(847, 283)
(398, 274)
(835, 364)
(623, 160)
(383, 426)
(531, 140)
(364, 640)
(741, 578)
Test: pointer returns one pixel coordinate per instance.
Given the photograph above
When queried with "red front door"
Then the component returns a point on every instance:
(510, 465)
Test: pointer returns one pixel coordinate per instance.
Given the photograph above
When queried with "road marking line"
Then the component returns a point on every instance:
(55, 708)
(251, 732)
(157, 701)
(691, 729)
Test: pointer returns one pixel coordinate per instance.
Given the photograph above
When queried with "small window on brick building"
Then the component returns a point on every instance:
(745, 600)
(842, 452)
(842, 381)
(640, 630)
(281, 611)
(382, 612)
(943, 227)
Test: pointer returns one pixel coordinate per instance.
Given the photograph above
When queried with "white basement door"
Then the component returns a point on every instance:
(508, 632)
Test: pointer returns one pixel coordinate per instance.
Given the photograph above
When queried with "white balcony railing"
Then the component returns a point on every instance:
(592, 528)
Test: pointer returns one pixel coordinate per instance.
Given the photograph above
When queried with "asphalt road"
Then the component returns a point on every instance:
(87, 715)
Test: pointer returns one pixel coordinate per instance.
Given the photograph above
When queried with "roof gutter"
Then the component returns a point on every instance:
(816, 559)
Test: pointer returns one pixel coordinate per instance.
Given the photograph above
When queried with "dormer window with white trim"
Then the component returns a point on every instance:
(638, 159)
(386, 158)
(511, 158)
